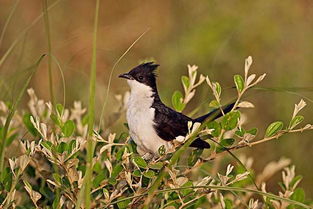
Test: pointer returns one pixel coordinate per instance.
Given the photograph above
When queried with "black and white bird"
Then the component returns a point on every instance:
(151, 123)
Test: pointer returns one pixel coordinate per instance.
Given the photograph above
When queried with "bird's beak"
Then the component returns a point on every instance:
(126, 76)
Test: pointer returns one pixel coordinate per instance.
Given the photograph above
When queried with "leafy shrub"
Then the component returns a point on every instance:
(49, 165)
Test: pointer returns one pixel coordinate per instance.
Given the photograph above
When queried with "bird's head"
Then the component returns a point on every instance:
(142, 77)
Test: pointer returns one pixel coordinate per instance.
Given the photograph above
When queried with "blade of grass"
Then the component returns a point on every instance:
(291, 90)
(8, 21)
(48, 34)
(52, 98)
(85, 191)
(62, 76)
(11, 114)
(22, 34)
(111, 74)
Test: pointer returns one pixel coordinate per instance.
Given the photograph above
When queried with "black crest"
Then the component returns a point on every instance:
(145, 73)
(151, 66)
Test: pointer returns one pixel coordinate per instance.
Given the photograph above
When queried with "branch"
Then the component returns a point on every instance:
(265, 139)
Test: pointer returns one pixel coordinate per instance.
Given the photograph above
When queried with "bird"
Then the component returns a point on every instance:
(151, 123)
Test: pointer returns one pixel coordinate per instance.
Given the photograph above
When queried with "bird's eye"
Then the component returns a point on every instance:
(140, 77)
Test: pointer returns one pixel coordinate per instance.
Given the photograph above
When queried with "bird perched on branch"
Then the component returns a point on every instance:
(151, 123)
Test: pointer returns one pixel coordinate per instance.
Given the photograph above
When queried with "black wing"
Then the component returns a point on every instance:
(169, 124)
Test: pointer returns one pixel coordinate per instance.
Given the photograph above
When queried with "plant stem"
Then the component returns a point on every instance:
(47, 28)
(85, 191)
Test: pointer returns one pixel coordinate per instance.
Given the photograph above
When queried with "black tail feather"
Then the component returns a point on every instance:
(199, 143)
(226, 109)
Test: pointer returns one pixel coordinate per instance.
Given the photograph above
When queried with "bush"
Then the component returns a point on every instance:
(50, 162)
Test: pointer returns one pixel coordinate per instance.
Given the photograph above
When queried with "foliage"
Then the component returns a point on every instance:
(51, 157)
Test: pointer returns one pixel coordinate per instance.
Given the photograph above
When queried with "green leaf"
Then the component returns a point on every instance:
(112, 181)
(230, 120)
(216, 128)
(98, 179)
(85, 120)
(185, 81)
(239, 82)
(97, 167)
(29, 125)
(295, 180)
(47, 144)
(240, 132)
(298, 195)
(140, 162)
(156, 166)
(214, 104)
(252, 131)
(218, 88)
(149, 174)
(116, 170)
(296, 121)
(56, 119)
(60, 109)
(225, 143)
(161, 150)
(106, 193)
(273, 128)
(228, 204)
(61, 147)
(177, 101)
(120, 153)
(136, 173)
(68, 128)
(57, 178)
(71, 146)
(123, 204)
(185, 192)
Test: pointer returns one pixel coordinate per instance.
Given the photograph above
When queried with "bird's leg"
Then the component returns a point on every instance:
(146, 155)
(141, 150)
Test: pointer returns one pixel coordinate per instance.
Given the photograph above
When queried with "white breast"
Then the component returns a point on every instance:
(140, 118)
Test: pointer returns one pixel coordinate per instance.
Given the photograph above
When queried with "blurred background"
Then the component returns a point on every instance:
(215, 35)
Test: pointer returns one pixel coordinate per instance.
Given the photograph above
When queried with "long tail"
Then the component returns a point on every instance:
(227, 108)
(199, 143)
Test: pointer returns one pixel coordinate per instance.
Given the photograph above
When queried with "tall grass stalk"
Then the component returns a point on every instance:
(32, 70)
(8, 20)
(52, 98)
(23, 33)
(85, 191)
(48, 34)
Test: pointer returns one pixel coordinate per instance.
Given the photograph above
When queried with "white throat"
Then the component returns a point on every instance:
(139, 90)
